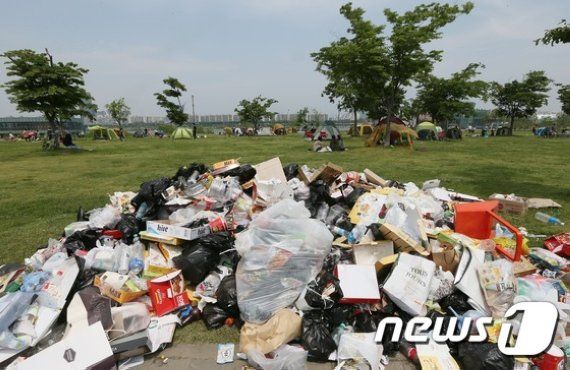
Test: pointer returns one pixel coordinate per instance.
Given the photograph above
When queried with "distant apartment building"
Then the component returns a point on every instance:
(220, 118)
(15, 125)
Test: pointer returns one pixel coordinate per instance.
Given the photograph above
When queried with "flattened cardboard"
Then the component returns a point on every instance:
(167, 293)
(370, 253)
(402, 242)
(165, 227)
(88, 349)
(374, 178)
(271, 169)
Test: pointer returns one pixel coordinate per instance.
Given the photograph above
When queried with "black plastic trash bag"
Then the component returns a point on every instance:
(483, 356)
(82, 240)
(244, 173)
(457, 301)
(227, 296)
(291, 170)
(201, 256)
(129, 226)
(316, 336)
(151, 192)
(314, 295)
(214, 317)
(187, 171)
(318, 194)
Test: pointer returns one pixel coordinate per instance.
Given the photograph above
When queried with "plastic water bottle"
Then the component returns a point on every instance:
(356, 234)
(338, 231)
(547, 219)
(136, 263)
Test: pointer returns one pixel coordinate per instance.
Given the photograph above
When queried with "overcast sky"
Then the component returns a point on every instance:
(228, 50)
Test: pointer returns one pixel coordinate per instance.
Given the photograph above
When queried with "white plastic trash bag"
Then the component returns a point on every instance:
(283, 358)
(409, 283)
(282, 251)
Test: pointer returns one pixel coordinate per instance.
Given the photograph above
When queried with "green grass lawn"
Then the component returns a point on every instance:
(41, 192)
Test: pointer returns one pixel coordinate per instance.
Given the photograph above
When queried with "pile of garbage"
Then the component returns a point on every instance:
(307, 263)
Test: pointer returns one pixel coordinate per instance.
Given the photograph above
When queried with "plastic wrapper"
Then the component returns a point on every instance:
(282, 250)
(209, 286)
(128, 319)
(227, 296)
(201, 256)
(358, 346)
(187, 171)
(183, 215)
(546, 259)
(483, 356)
(106, 217)
(316, 336)
(499, 285)
(283, 358)
(103, 258)
(224, 190)
(441, 285)
(301, 192)
(213, 316)
(323, 292)
(12, 306)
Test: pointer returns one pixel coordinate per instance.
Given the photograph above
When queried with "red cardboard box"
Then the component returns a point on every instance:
(168, 293)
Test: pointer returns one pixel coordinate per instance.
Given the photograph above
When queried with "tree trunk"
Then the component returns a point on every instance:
(355, 130)
(56, 129)
(255, 128)
(512, 126)
(387, 132)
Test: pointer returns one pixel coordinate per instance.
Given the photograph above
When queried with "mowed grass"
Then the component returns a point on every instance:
(41, 192)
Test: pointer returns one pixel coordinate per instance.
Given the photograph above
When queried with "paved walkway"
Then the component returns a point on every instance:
(203, 357)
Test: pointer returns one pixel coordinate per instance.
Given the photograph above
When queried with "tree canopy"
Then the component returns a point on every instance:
(55, 89)
(253, 111)
(518, 99)
(370, 68)
(119, 111)
(564, 97)
(557, 35)
(301, 118)
(174, 109)
(445, 98)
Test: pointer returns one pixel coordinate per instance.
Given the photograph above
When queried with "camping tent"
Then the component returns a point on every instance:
(453, 132)
(103, 133)
(426, 131)
(393, 119)
(399, 134)
(182, 132)
(279, 129)
(326, 131)
(362, 129)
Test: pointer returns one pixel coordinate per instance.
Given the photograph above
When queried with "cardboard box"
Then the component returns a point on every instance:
(402, 241)
(370, 253)
(168, 293)
(358, 283)
(116, 294)
(145, 235)
(518, 207)
(165, 227)
(385, 262)
(88, 349)
(374, 178)
(327, 173)
(158, 259)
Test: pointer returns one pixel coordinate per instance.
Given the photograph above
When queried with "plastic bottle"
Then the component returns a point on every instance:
(356, 234)
(543, 217)
(136, 263)
(337, 230)
(124, 258)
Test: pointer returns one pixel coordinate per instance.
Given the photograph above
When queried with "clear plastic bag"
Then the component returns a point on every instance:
(282, 250)
(499, 285)
(283, 358)
(128, 319)
(107, 216)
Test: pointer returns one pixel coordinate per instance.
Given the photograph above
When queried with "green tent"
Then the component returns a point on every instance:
(103, 133)
(426, 130)
(182, 132)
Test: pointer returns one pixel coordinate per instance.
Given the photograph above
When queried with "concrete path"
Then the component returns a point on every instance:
(203, 357)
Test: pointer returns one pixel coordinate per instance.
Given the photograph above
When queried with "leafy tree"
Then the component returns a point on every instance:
(174, 109)
(558, 35)
(410, 109)
(119, 111)
(445, 98)
(564, 97)
(518, 99)
(301, 118)
(253, 111)
(54, 89)
(386, 63)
